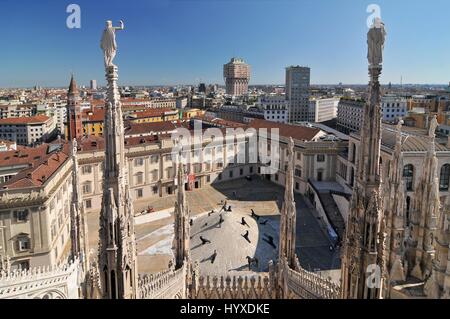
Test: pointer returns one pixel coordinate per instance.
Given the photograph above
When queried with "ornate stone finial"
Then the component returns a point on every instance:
(291, 149)
(108, 43)
(375, 40)
(400, 125)
(433, 126)
(74, 147)
(398, 134)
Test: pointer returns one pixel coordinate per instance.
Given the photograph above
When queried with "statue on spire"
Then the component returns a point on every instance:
(375, 40)
(108, 42)
(433, 126)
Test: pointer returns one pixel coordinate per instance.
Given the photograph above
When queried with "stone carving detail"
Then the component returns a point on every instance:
(288, 212)
(58, 282)
(256, 287)
(426, 207)
(170, 284)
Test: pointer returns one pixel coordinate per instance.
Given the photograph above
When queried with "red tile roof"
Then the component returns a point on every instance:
(152, 112)
(40, 168)
(148, 128)
(25, 120)
(23, 156)
(96, 115)
(300, 133)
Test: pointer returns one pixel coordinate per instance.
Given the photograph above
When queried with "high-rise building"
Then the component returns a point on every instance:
(202, 88)
(297, 92)
(94, 85)
(237, 76)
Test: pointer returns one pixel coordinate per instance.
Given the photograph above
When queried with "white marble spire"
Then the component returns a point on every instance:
(288, 217)
(365, 239)
(182, 229)
(79, 230)
(426, 207)
(117, 253)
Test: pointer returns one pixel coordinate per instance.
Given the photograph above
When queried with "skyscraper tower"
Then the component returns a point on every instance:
(297, 92)
(237, 76)
(74, 123)
(363, 255)
(117, 251)
(94, 85)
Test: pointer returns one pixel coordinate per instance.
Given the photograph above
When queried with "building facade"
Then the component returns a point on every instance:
(28, 130)
(350, 115)
(35, 207)
(322, 109)
(393, 108)
(275, 108)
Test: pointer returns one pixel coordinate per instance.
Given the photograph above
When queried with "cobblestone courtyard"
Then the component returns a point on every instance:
(154, 232)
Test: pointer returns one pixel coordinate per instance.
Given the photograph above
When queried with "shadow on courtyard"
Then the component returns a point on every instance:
(266, 198)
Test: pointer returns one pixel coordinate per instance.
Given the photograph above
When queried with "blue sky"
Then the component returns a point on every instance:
(188, 41)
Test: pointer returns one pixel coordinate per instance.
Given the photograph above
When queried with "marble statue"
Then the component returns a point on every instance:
(375, 40)
(433, 126)
(108, 42)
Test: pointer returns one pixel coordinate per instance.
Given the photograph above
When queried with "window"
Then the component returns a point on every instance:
(169, 172)
(87, 188)
(297, 186)
(23, 243)
(241, 171)
(320, 158)
(88, 204)
(230, 174)
(139, 193)
(208, 179)
(408, 175)
(21, 216)
(219, 177)
(86, 169)
(299, 156)
(155, 190)
(138, 162)
(139, 178)
(319, 176)
(251, 169)
(155, 175)
(276, 177)
(444, 178)
(298, 172)
(154, 159)
(53, 229)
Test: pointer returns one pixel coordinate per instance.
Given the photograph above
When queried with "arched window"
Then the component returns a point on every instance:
(408, 175)
(444, 178)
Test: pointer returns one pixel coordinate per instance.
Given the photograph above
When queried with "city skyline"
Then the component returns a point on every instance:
(176, 43)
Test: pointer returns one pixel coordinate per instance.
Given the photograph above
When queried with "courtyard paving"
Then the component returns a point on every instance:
(155, 234)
